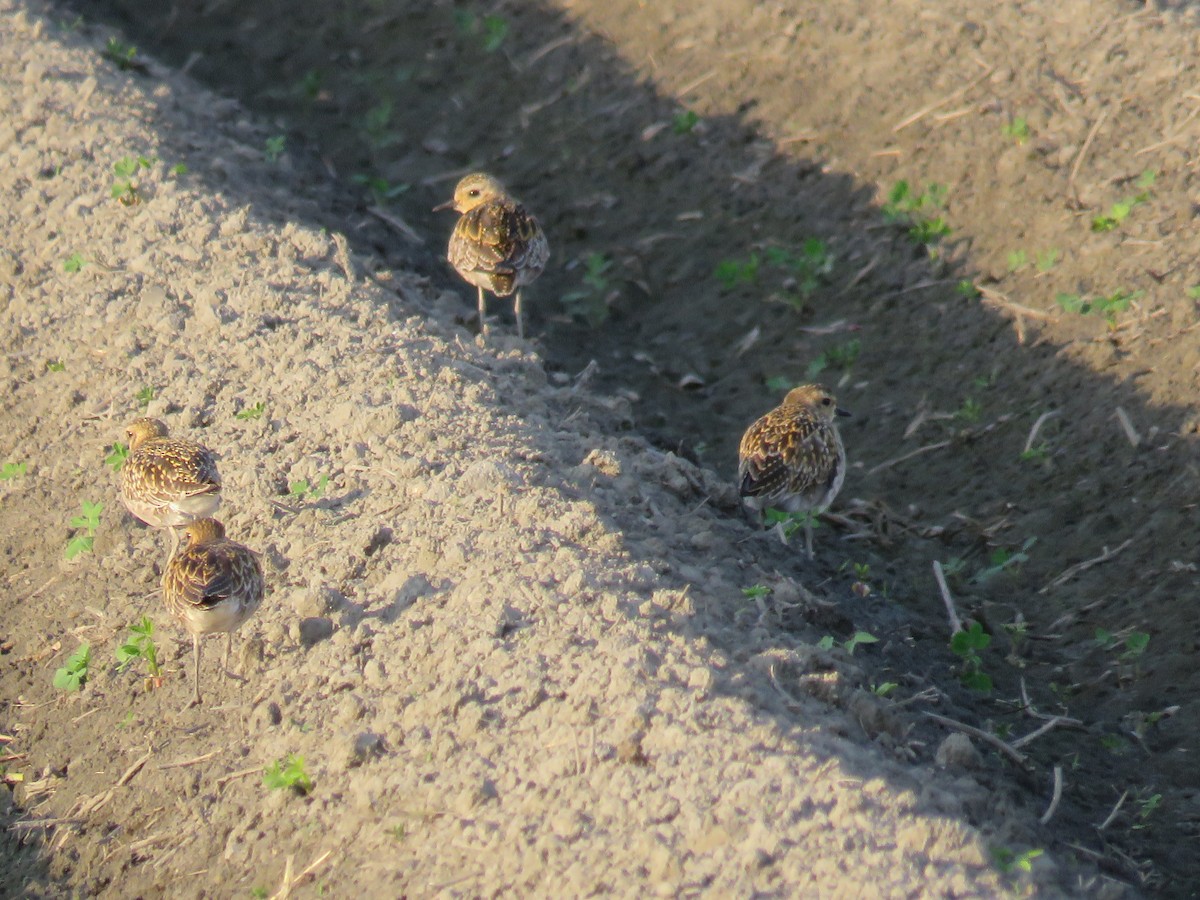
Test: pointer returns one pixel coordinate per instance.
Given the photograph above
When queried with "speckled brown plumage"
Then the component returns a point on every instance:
(168, 482)
(792, 458)
(212, 585)
(496, 244)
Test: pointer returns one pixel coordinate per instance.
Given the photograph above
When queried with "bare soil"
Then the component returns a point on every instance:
(512, 639)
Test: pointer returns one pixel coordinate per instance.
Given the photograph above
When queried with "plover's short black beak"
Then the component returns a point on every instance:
(449, 204)
(843, 412)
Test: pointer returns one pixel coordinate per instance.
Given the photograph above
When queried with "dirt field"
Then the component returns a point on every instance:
(512, 636)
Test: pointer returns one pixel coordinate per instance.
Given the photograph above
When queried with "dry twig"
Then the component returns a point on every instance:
(907, 456)
(1037, 426)
(924, 111)
(1113, 815)
(955, 621)
(1074, 570)
(991, 739)
(1053, 807)
(1084, 149)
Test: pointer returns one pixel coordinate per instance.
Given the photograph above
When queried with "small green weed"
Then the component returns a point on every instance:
(377, 123)
(56, 365)
(1002, 559)
(11, 470)
(1036, 453)
(1008, 861)
(117, 456)
(966, 645)
(590, 301)
(756, 592)
(288, 772)
(259, 892)
(1017, 260)
(382, 191)
(970, 411)
(1108, 307)
(301, 490)
(74, 674)
(310, 84)
(967, 288)
(1119, 211)
(809, 266)
(884, 688)
(251, 412)
(685, 121)
(1194, 292)
(1017, 129)
(178, 169)
(125, 188)
(1146, 807)
(1134, 647)
(144, 396)
(495, 30)
(778, 383)
(733, 272)
(74, 263)
(397, 832)
(491, 29)
(123, 56)
(89, 521)
(918, 211)
(1048, 259)
(141, 646)
(274, 147)
(791, 522)
(859, 638)
(841, 356)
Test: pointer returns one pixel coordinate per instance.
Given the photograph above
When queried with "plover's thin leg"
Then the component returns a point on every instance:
(196, 660)
(483, 329)
(808, 536)
(520, 322)
(174, 542)
(228, 648)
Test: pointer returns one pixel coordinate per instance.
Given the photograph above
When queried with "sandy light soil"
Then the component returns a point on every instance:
(519, 632)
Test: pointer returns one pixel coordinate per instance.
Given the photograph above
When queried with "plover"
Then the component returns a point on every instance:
(792, 458)
(168, 482)
(211, 585)
(496, 244)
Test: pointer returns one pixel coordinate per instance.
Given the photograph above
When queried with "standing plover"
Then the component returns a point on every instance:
(168, 482)
(212, 585)
(496, 245)
(792, 458)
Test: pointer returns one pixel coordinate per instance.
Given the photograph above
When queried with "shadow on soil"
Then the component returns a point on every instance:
(644, 204)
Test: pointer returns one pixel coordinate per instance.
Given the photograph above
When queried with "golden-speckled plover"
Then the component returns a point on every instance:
(212, 585)
(792, 458)
(496, 245)
(168, 482)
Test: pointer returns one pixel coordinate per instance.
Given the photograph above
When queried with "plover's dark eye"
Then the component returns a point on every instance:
(826, 401)
(473, 192)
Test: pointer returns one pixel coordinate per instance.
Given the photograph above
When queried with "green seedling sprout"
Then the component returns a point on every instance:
(966, 645)
(273, 148)
(288, 773)
(141, 646)
(74, 674)
(89, 522)
(117, 456)
(251, 412)
(11, 470)
(590, 301)
(301, 490)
